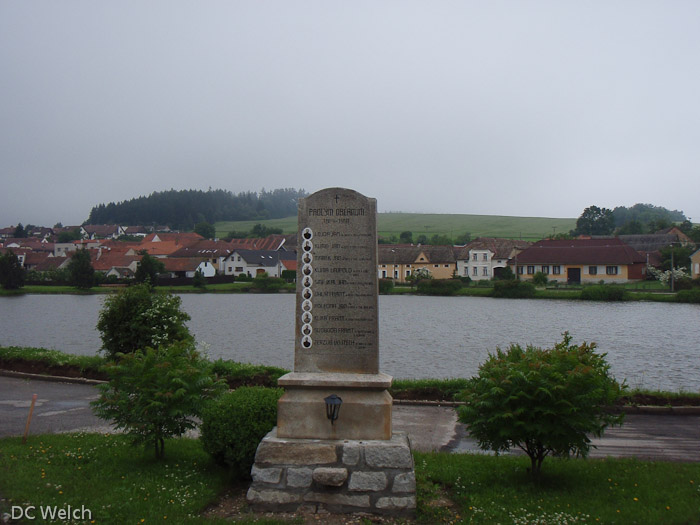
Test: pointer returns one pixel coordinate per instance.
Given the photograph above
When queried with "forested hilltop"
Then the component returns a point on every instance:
(185, 208)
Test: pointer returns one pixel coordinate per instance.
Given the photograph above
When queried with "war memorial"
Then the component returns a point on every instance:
(333, 449)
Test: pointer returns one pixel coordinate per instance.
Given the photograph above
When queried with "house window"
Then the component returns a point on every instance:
(593, 270)
(521, 270)
(383, 274)
(396, 274)
(436, 266)
(447, 266)
(408, 273)
(530, 270)
(485, 273)
(545, 269)
(383, 265)
(611, 270)
(486, 256)
(239, 269)
(475, 271)
(556, 269)
(475, 257)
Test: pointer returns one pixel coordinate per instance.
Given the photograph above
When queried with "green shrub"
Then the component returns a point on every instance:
(684, 283)
(541, 401)
(513, 289)
(439, 286)
(138, 317)
(289, 275)
(603, 292)
(246, 374)
(156, 394)
(386, 285)
(539, 279)
(265, 283)
(234, 424)
(688, 296)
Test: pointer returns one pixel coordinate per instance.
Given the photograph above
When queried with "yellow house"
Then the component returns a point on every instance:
(577, 261)
(695, 265)
(399, 261)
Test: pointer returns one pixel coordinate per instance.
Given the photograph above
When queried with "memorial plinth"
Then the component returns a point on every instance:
(336, 356)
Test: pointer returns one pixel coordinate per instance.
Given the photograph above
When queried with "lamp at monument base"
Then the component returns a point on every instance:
(364, 414)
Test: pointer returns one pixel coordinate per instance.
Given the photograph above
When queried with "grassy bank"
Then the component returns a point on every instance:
(54, 362)
(119, 484)
(429, 224)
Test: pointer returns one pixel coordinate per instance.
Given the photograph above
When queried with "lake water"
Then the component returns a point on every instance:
(651, 345)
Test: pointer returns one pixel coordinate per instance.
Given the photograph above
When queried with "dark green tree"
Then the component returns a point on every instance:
(68, 236)
(199, 281)
(205, 229)
(12, 274)
(595, 221)
(633, 227)
(406, 237)
(20, 232)
(463, 239)
(148, 269)
(440, 240)
(82, 273)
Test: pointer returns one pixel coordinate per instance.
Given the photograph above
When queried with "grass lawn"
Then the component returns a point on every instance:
(121, 484)
(488, 489)
(105, 474)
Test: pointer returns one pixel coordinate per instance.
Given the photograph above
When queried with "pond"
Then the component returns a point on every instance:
(650, 345)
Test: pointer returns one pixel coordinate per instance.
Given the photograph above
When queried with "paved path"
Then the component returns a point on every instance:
(64, 407)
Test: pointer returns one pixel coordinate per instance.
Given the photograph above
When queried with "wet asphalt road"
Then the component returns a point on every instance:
(64, 407)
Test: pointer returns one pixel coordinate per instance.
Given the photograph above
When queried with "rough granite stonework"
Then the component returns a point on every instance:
(349, 480)
(330, 477)
(299, 477)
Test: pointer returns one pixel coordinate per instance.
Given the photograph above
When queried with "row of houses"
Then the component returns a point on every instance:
(592, 260)
(182, 254)
(612, 260)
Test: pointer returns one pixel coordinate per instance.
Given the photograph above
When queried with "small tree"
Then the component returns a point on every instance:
(156, 394)
(199, 281)
(541, 401)
(82, 274)
(11, 272)
(406, 237)
(148, 269)
(137, 317)
(205, 229)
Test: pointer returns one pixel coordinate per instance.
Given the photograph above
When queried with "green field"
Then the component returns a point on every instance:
(452, 225)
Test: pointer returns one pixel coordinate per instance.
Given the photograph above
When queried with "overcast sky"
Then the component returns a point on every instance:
(530, 108)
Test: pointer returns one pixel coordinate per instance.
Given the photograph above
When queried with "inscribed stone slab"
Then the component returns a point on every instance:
(336, 313)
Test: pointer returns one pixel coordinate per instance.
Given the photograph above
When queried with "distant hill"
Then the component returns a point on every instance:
(451, 225)
(185, 208)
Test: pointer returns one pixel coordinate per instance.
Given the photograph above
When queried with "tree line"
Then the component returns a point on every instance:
(639, 219)
(184, 208)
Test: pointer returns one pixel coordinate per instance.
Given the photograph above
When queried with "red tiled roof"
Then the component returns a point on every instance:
(580, 251)
(182, 264)
(108, 260)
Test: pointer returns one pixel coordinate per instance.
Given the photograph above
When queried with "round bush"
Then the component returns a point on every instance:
(234, 424)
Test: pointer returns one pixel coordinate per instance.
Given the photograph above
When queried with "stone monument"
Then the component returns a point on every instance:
(333, 448)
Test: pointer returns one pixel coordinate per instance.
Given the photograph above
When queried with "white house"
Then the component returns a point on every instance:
(257, 262)
(485, 257)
